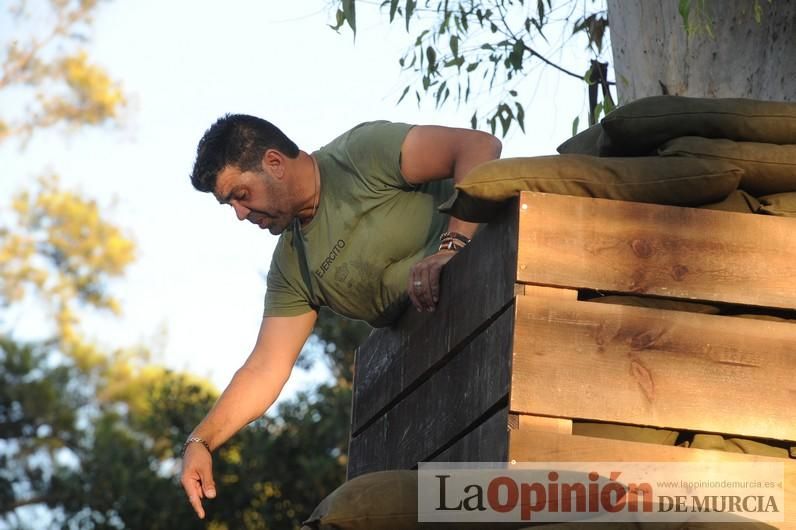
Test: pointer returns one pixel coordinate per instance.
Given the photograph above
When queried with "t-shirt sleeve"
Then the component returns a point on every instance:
(376, 148)
(282, 299)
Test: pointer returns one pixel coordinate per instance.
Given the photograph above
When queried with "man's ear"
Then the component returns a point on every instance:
(274, 161)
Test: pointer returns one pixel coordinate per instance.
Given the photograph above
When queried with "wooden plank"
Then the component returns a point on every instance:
(654, 367)
(661, 250)
(488, 442)
(476, 285)
(530, 446)
(530, 422)
(450, 403)
(524, 289)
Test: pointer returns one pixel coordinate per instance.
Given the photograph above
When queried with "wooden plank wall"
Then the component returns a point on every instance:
(435, 385)
(658, 250)
(645, 366)
(635, 365)
(576, 360)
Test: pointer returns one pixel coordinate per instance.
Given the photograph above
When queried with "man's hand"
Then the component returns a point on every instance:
(197, 476)
(424, 280)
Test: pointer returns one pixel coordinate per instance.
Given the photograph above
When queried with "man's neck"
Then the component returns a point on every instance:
(308, 190)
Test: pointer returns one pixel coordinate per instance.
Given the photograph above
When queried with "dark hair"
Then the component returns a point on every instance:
(236, 140)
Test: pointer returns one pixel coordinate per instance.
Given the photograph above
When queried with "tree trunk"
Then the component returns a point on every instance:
(653, 54)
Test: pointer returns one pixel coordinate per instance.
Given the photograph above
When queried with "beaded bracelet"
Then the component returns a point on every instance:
(454, 235)
(451, 244)
(195, 439)
(453, 241)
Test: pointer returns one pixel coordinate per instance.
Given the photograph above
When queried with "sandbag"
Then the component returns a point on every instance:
(384, 500)
(642, 125)
(768, 168)
(782, 204)
(737, 445)
(738, 201)
(592, 142)
(629, 433)
(387, 500)
(675, 181)
(658, 303)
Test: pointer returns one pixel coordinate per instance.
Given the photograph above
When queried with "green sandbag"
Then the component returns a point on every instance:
(384, 500)
(768, 168)
(629, 433)
(657, 303)
(591, 142)
(738, 201)
(678, 181)
(642, 125)
(782, 204)
(737, 445)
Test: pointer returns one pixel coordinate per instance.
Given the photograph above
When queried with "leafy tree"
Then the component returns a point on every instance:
(76, 420)
(480, 52)
(477, 53)
(94, 434)
(46, 71)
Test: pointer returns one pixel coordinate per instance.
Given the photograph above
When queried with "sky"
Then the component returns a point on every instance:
(195, 292)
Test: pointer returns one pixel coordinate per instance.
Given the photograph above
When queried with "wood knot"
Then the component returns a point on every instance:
(642, 341)
(679, 272)
(641, 248)
(644, 379)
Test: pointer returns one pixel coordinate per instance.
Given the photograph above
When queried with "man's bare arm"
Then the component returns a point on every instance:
(253, 389)
(432, 153)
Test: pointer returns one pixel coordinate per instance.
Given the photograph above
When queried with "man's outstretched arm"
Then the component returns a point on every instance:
(432, 153)
(251, 392)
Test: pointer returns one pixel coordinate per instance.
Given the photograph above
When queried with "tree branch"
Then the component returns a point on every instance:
(554, 65)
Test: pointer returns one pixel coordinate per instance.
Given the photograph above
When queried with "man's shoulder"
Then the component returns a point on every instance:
(369, 132)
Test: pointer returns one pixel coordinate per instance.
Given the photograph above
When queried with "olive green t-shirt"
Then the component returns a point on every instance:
(370, 227)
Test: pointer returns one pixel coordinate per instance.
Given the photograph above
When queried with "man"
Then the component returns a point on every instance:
(359, 232)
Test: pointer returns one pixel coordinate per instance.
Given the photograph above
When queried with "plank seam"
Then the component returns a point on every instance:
(434, 368)
(498, 406)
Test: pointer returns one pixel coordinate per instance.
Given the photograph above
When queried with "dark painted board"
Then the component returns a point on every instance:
(658, 250)
(439, 411)
(476, 284)
(486, 443)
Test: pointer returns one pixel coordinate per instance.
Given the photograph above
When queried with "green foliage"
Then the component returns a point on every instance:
(338, 339)
(275, 472)
(124, 477)
(96, 435)
(469, 52)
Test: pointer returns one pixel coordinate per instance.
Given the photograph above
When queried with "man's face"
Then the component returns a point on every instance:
(256, 196)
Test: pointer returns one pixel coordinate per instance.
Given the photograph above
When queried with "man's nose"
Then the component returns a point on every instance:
(240, 211)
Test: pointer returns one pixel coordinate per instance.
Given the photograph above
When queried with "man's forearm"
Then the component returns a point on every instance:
(247, 397)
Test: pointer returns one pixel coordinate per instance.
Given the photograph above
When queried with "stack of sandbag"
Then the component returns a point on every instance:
(758, 137)
(731, 154)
